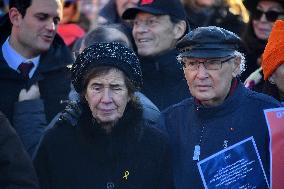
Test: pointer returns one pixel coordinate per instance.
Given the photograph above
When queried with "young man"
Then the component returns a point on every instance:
(28, 35)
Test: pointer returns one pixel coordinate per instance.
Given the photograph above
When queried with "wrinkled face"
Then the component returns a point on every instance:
(35, 32)
(278, 78)
(107, 96)
(262, 27)
(211, 87)
(122, 5)
(154, 34)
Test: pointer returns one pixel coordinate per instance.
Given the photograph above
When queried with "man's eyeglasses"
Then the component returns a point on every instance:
(271, 15)
(210, 64)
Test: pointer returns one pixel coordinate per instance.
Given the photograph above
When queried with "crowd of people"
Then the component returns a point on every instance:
(137, 94)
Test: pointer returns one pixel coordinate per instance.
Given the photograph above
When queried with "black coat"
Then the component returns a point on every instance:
(163, 80)
(16, 169)
(189, 124)
(52, 76)
(86, 157)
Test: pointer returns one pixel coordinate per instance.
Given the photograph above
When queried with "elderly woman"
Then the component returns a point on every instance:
(111, 146)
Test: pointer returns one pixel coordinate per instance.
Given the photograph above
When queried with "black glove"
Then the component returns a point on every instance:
(71, 113)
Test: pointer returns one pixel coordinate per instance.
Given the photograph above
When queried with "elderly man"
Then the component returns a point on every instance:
(221, 112)
(157, 25)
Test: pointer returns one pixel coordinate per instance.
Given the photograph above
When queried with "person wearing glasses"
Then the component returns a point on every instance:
(220, 113)
(263, 14)
(157, 26)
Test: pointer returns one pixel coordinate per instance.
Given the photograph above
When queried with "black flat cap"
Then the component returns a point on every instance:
(111, 54)
(209, 42)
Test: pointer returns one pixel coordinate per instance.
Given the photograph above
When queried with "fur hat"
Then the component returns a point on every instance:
(106, 54)
(273, 55)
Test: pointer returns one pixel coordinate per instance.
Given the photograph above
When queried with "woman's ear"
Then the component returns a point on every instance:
(179, 29)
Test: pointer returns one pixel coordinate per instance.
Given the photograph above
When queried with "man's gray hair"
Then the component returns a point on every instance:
(243, 61)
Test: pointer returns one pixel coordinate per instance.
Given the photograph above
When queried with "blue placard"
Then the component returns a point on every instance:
(236, 167)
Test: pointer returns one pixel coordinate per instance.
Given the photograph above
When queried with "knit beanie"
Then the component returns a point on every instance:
(273, 55)
(111, 54)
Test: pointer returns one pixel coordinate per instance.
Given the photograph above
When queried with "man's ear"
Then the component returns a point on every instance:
(236, 66)
(179, 29)
(15, 16)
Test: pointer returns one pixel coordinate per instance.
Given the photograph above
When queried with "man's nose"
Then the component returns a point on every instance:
(51, 25)
(201, 71)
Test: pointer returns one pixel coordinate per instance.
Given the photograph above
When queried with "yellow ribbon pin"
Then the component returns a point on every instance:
(126, 174)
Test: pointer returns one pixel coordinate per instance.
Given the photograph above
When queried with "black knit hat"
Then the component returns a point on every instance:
(209, 42)
(106, 54)
(172, 8)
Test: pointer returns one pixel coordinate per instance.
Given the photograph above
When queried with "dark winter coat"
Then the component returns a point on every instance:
(239, 117)
(16, 169)
(52, 76)
(30, 122)
(270, 89)
(86, 157)
(163, 79)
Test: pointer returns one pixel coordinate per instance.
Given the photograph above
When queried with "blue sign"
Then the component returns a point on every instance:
(236, 167)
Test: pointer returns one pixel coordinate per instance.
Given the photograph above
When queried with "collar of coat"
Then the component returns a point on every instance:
(128, 125)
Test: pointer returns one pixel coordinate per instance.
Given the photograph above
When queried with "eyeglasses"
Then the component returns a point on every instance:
(271, 15)
(210, 64)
